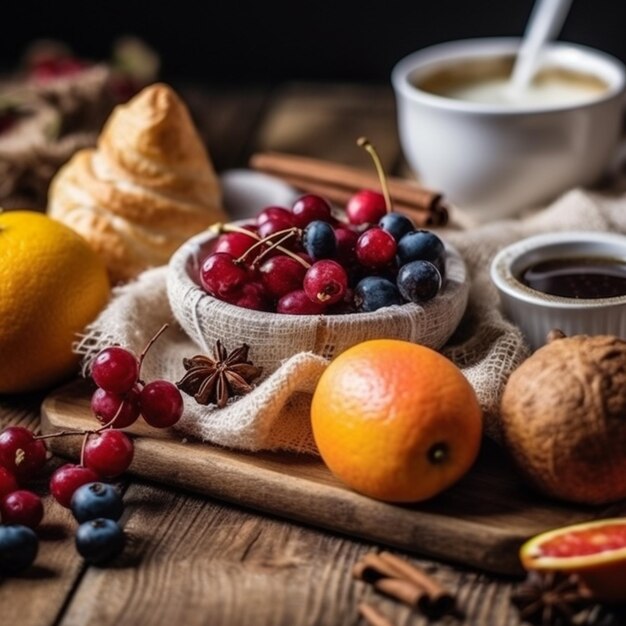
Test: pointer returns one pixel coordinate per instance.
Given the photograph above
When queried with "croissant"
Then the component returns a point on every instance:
(147, 187)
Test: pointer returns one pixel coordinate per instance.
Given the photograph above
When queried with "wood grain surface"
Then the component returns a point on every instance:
(480, 522)
(191, 560)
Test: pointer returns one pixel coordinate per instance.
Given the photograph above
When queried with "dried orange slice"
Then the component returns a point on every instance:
(596, 551)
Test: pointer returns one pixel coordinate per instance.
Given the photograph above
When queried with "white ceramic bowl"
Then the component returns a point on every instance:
(537, 313)
(495, 159)
(275, 337)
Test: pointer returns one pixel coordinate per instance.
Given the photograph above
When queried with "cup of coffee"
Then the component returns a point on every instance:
(495, 152)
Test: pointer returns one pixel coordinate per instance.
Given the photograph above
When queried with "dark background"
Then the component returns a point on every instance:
(269, 42)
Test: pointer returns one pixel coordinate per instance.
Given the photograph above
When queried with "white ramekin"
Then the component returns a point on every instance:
(537, 313)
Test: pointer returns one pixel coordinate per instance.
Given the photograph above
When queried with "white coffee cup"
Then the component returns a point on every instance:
(495, 159)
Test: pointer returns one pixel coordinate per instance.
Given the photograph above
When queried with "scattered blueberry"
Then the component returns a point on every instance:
(99, 540)
(319, 240)
(419, 281)
(420, 245)
(375, 292)
(95, 500)
(18, 548)
(396, 224)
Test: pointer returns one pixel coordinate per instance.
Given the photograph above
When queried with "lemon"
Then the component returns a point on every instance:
(51, 286)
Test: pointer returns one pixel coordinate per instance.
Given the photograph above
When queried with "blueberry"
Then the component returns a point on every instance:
(419, 281)
(420, 245)
(96, 500)
(18, 548)
(99, 540)
(396, 224)
(375, 292)
(319, 240)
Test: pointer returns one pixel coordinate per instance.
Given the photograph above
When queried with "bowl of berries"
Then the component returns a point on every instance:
(307, 279)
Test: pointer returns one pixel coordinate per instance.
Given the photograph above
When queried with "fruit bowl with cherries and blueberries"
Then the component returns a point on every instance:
(308, 279)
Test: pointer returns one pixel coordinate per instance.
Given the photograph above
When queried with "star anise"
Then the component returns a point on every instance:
(551, 599)
(213, 380)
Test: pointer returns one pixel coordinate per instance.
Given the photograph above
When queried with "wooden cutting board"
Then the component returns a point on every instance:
(482, 521)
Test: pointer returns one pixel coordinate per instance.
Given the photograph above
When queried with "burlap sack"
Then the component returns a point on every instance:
(275, 415)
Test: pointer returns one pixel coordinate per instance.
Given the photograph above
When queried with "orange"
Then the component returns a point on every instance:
(396, 421)
(596, 551)
(51, 286)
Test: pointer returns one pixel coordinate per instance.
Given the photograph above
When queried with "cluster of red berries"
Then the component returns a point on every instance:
(107, 452)
(304, 260)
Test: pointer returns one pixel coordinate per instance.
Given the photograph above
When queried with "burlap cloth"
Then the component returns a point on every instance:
(275, 415)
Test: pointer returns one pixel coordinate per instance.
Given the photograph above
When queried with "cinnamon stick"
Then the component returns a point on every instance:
(338, 182)
(373, 616)
(439, 599)
(404, 581)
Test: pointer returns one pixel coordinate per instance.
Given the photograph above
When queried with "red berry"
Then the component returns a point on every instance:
(346, 245)
(20, 453)
(22, 507)
(221, 276)
(309, 208)
(115, 369)
(161, 404)
(109, 453)
(366, 207)
(376, 248)
(234, 244)
(252, 296)
(298, 303)
(7, 482)
(7, 121)
(67, 479)
(281, 275)
(275, 225)
(326, 282)
(273, 212)
(105, 406)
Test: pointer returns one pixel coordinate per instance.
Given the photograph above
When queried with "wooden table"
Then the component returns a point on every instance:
(197, 562)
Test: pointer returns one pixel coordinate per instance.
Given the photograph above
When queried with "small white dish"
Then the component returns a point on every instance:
(537, 313)
(247, 192)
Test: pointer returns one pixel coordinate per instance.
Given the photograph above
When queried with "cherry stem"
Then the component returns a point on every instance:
(285, 234)
(142, 356)
(364, 142)
(289, 253)
(61, 433)
(82, 448)
(233, 228)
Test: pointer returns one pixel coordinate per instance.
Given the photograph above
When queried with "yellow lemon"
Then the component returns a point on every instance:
(51, 286)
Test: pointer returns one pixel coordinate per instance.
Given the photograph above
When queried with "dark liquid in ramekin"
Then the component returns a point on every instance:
(587, 278)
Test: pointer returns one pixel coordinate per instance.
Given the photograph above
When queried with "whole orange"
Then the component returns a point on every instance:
(52, 285)
(396, 421)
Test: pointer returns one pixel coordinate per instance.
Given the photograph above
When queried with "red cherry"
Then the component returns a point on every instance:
(252, 296)
(22, 507)
(7, 482)
(281, 275)
(273, 212)
(235, 244)
(275, 225)
(20, 453)
(105, 406)
(67, 479)
(108, 453)
(221, 276)
(346, 245)
(366, 207)
(326, 282)
(298, 303)
(376, 248)
(309, 208)
(161, 404)
(115, 369)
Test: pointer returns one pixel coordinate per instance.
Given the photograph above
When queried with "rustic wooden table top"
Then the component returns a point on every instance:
(197, 562)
